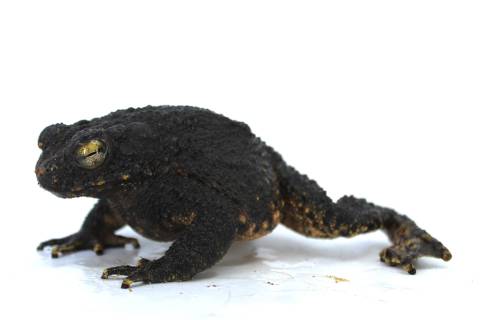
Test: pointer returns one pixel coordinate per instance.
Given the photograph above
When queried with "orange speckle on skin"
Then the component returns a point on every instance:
(242, 218)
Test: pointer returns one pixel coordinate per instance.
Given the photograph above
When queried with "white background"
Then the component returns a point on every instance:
(378, 99)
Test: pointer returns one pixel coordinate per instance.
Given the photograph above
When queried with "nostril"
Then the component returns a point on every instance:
(40, 171)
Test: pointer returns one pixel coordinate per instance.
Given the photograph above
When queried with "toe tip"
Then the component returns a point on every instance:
(98, 249)
(410, 269)
(446, 255)
(126, 284)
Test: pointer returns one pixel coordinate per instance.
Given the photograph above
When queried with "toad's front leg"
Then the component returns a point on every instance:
(199, 247)
(96, 233)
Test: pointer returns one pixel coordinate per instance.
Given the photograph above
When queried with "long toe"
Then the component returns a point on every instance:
(119, 271)
(139, 276)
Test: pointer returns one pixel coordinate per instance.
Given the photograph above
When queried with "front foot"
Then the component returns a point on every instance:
(146, 271)
(416, 245)
(85, 241)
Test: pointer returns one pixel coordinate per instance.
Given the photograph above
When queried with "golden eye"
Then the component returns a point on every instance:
(91, 155)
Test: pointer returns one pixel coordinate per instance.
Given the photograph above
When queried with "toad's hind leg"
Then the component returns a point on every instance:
(308, 210)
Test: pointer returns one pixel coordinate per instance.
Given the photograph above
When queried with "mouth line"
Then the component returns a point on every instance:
(79, 191)
(99, 185)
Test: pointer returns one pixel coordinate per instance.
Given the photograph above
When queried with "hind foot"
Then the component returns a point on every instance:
(407, 250)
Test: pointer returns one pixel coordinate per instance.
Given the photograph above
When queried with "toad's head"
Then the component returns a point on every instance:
(93, 158)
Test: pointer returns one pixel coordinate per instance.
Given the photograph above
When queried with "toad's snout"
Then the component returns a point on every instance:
(40, 171)
(46, 175)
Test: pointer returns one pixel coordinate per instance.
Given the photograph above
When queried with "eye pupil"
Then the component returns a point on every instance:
(91, 155)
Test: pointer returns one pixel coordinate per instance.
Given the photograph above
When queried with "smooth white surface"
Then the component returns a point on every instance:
(279, 275)
(373, 98)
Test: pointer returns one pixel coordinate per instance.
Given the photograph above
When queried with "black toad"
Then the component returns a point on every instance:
(197, 178)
